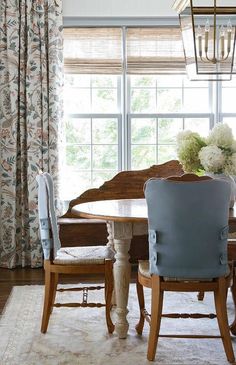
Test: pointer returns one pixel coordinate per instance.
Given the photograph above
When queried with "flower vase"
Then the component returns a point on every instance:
(231, 180)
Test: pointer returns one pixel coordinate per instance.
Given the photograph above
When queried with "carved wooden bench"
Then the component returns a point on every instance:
(125, 185)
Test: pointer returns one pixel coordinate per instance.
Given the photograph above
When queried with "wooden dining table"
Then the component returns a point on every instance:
(126, 218)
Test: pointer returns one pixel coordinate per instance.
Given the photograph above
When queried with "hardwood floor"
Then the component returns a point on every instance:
(28, 276)
(10, 278)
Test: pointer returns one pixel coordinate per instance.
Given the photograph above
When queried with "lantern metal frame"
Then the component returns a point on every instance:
(199, 65)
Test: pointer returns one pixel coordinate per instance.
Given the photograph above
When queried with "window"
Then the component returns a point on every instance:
(160, 108)
(92, 126)
(118, 117)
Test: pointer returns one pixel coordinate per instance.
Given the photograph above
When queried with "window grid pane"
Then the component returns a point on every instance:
(153, 139)
(158, 144)
(91, 154)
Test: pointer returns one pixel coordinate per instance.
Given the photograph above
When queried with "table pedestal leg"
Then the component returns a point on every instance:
(122, 269)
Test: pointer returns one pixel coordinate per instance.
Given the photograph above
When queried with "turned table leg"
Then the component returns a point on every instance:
(110, 244)
(122, 234)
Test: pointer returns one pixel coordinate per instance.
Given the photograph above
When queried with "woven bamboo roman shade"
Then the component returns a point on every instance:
(156, 50)
(93, 50)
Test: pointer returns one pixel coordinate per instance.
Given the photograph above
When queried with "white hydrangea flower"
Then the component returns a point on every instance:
(212, 159)
(233, 146)
(183, 136)
(221, 136)
(230, 166)
(216, 154)
(188, 146)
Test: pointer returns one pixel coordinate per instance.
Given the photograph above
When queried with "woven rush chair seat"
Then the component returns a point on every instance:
(83, 255)
(144, 270)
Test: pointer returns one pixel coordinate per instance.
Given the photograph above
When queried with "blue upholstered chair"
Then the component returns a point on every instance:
(188, 230)
(69, 260)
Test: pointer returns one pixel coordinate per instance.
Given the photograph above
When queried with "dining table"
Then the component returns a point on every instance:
(126, 218)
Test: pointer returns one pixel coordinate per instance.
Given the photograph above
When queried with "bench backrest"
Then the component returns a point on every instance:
(126, 184)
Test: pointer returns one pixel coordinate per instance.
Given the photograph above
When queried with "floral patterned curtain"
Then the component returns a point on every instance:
(31, 76)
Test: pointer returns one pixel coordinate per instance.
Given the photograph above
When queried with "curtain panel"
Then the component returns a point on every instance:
(31, 80)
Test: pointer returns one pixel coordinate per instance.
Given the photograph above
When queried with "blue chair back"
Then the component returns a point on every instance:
(47, 217)
(188, 227)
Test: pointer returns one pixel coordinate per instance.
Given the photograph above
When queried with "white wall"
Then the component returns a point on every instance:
(129, 8)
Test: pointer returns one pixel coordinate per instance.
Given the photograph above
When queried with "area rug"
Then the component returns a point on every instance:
(78, 336)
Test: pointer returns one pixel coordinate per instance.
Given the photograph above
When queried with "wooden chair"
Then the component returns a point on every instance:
(69, 260)
(188, 229)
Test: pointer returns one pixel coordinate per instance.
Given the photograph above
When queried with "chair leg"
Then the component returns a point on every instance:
(48, 296)
(233, 291)
(141, 302)
(222, 317)
(108, 293)
(156, 311)
(55, 282)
